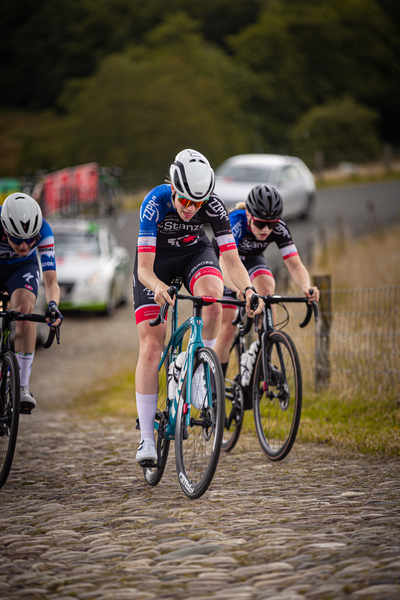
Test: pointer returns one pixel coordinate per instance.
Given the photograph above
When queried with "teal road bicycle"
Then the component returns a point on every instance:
(194, 417)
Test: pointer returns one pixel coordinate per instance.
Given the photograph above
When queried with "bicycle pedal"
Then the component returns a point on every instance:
(24, 410)
(147, 464)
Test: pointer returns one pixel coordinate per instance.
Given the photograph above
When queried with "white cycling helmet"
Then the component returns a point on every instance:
(21, 216)
(192, 175)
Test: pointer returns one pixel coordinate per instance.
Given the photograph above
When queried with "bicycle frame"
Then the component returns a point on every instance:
(5, 332)
(195, 324)
(268, 325)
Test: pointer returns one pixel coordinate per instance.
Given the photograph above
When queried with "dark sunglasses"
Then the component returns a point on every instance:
(17, 241)
(186, 203)
(261, 224)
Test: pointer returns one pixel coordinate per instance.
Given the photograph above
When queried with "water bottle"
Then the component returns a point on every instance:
(174, 373)
(247, 361)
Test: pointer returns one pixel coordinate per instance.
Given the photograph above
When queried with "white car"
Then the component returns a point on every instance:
(235, 177)
(94, 273)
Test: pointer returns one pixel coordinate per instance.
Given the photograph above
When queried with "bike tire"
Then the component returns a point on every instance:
(234, 402)
(277, 402)
(9, 412)
(153, 475)
(198, 446)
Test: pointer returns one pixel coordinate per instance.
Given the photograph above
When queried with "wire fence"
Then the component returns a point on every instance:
(356, 343)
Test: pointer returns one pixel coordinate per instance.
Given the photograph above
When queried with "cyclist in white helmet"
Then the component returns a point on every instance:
(22, 231)
(172, 243)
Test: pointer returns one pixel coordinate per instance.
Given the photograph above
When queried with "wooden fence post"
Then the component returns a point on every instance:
(319, 163)
(322, 331)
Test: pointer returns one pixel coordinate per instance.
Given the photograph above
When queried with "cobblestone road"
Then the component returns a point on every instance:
(77, 519)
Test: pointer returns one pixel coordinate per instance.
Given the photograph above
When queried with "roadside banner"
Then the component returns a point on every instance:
(67, 191)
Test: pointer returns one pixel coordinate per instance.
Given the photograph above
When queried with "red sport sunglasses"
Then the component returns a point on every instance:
(186, 203)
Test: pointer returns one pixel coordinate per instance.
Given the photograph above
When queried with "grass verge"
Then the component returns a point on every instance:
(366, 423)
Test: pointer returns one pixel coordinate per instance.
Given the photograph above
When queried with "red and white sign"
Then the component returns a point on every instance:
(65, 189)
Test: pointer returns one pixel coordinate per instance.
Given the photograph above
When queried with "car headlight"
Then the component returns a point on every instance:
(95, 279)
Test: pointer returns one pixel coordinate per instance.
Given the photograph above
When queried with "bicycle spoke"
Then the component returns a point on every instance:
(153, 475)
(9, 413)
(277, 400)
(198, 441)
(234, 402)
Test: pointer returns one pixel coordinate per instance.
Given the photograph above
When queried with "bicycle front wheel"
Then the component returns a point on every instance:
(9, 413)
(153, 475)
(234, 402)
(277, 396)
(199, 427)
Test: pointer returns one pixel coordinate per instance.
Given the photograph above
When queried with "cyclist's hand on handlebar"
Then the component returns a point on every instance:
(53, 315)
(251, 303)
(161, 294)
(312, 293)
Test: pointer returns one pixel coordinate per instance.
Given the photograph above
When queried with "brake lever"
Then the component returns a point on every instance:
(160, 318)
(315, 309)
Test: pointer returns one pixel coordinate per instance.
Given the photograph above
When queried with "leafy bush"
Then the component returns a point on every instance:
(341, 129)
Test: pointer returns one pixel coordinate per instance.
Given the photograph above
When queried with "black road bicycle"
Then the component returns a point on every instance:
(266, 379)
(10, 382)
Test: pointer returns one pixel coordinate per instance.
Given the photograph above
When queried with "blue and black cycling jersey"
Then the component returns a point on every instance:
(162, 228)
(249, 246)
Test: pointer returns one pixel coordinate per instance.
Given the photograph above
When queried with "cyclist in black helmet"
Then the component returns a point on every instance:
(256, 224)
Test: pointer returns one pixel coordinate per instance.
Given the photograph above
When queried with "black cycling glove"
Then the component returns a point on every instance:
(53, 312)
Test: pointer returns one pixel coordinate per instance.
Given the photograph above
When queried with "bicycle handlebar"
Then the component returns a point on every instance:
(36, 318)
(160, 318)
(311, 306)
(205, 301)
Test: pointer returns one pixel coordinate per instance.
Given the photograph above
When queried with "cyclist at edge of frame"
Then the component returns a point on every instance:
(22, 231)
(172, 243)
(255, 224)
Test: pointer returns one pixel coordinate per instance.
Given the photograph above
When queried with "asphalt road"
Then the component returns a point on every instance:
(360, 206)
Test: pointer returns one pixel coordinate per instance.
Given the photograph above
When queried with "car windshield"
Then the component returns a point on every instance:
(70, 244)
(258, 174)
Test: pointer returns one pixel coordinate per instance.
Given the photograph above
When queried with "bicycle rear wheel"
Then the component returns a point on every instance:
(277, 398)
(234, 402)
(153, 475)
(198, 442)
(9, 413)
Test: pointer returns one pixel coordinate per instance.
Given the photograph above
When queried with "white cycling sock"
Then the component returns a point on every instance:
(146, 405)
(25, 360)
(209, 343)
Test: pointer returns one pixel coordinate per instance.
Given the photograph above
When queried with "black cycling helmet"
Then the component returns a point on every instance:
(265, 203)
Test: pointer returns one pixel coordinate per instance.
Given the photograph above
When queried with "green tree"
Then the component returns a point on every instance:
(146, 104)
(341, 129)
(43, 44)
(306, 53)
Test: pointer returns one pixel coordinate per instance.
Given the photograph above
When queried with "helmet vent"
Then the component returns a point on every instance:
(177, 184)
(25, 226)
(13, 225)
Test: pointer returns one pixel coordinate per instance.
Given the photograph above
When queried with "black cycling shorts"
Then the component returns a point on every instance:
(24, 275)
(188, 263)
(255, 266)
